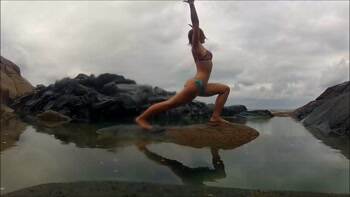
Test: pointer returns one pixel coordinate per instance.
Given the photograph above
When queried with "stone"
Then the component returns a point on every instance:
(12, 83)
(256, 114)
(220, 136)
(52, 118)
(107, 97)
(233, 110)
(329, 113)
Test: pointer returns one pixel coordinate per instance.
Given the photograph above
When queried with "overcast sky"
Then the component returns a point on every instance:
(271, 54)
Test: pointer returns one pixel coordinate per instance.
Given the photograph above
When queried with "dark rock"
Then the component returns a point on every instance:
(330, 112)
(233, 110)
(332, 117)
(110, 89)
(107, 78)
(52, 118)
(302, 112)
(85, 80)
(107, 97)
(334, 91)
(256, 114)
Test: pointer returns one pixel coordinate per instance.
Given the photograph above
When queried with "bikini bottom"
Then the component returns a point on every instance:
(200, 86)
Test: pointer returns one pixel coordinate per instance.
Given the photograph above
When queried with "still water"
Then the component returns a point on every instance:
(285, 156)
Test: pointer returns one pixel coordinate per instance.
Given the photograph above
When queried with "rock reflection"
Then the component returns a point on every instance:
(10, 131)
(197, 135)
(215, 136)
(340, 143)
(83, 136)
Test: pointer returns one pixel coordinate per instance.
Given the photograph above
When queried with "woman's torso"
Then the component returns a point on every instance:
(204, 64)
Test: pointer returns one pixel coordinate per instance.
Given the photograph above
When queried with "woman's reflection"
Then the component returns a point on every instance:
(193, 176)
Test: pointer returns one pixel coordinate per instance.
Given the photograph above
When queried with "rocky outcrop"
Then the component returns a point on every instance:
(233, 110)
(12, 83)
(256, 114)
(330, 112)
(220, 136)
(107, 97)
(52, 118)
(239, 112)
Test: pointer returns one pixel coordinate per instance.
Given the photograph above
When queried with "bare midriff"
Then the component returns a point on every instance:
(203, 71)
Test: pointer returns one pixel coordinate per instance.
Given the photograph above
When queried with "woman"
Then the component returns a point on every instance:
(198, 85)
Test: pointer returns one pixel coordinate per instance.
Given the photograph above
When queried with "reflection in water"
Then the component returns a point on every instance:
(10, 131)
(200, 135)
(223, 136)
(193, 176)
(341, 143)
(284, 157)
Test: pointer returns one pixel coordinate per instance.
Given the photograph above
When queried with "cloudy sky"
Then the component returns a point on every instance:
(272, 54)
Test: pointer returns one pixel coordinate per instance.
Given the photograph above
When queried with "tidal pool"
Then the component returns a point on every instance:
(285, 156)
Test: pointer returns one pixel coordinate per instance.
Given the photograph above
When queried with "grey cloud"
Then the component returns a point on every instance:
(335, 74)
(278, 54)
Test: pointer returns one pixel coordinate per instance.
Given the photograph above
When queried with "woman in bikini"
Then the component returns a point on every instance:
(196, 86)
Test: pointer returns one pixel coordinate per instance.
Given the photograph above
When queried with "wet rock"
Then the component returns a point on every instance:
(6, 113)
(12, 82)
(47, 118)
(332, 117)
(233, 110)
(330, 112)
(256, 114)
(53, 116)
(220, 136)
(107, 97)
(12, 85)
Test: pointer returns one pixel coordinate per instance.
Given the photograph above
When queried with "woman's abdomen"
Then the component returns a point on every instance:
(203, 71)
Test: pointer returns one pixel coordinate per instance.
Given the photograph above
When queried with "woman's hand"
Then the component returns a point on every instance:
(189, 1)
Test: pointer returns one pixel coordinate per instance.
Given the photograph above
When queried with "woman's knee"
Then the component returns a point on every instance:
(225, 89)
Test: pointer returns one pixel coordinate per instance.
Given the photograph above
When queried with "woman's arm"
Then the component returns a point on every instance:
(195, 24)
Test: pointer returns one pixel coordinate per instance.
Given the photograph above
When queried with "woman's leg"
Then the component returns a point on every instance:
(184, 96)
(223, 91)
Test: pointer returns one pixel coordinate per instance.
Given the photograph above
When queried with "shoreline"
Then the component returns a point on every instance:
(116, 188)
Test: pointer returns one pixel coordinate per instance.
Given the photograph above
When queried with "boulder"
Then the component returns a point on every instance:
(12, 83)
(107, 97)
(330, 112)
(52, 118)
(6, 112)
(256, 114)
(233, 110)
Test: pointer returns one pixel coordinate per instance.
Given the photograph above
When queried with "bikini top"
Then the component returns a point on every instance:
(206, 57)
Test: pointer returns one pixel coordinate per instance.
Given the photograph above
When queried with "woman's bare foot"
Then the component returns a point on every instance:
(143, 123)
(218, 120)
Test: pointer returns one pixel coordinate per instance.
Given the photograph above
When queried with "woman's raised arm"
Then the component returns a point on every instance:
(195, 24)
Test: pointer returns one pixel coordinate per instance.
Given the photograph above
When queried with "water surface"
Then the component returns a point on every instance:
(285, 156)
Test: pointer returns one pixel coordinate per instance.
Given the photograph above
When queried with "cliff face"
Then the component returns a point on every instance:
(12, 83)
(330, 112)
